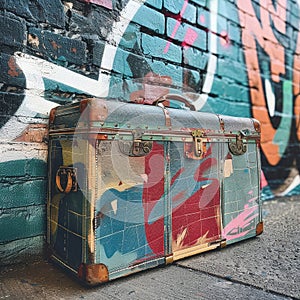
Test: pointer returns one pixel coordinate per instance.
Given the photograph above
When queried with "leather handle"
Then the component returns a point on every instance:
(71, 181)
(176, 97)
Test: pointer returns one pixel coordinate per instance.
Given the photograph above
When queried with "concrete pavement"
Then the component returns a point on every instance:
(266, 267)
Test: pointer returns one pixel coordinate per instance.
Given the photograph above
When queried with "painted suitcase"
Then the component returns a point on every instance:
(134, 186)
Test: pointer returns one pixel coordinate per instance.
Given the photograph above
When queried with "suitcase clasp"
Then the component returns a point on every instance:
(199, 145)
(238, 147)
(137, 147)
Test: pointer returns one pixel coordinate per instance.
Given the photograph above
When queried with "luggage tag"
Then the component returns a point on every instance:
(228, 167)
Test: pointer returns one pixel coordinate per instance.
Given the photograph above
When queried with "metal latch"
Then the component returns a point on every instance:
(238, 147)
(137, 147)
(199, 145)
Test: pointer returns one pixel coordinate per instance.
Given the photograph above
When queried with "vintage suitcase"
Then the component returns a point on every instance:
(135, 186)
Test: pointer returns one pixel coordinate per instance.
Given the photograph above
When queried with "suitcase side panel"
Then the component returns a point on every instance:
(68, 207)
(241, 209)
(195, 199)
(124, 231)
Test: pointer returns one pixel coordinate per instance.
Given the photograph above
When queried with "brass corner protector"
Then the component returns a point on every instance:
(93, 274)
(259, 228)
(169, 259)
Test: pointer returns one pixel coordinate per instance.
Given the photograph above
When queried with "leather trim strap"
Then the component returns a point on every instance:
(167, 115)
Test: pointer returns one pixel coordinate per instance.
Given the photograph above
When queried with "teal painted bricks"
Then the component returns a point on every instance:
(19, 223)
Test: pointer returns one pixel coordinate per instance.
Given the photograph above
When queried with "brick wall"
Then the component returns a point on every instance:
(242, 57)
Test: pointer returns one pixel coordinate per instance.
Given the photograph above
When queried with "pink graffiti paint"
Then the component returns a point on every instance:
(263, 180)
(197, 214)
(178, 22)
(104, 3)
(225, 41)
(242, 221)
(152, 192)
(190, 38)
(202, 19)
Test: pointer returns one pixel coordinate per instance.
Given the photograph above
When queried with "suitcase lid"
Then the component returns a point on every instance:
(96, 113)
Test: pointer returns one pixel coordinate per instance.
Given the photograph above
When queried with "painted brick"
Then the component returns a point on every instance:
(57, 46)
(160, 48)
(228, 10)
(98, 53)
(138, 65)
(119, 65)
(151, 19)
(105, 3)
(174, 6)
(51, 12)
(190, 13)
(234, 32)
(132, 37)
(200, 2)
(9, 104)
(96, 22)
(155, 3)
(186, 34)
(186, 10)
(203, 17)
(22, 223)
(236, 92)
(221, 106)
(294, 21)
(19, 251)
(232, 69)
(23, 167)
(220, 41)
(219, 86)
(10, 74)
(195, 58)
(228, 49)
(12, 32)
(17, 7)
(19, 194)
(193, 78)
(167, 69)
(222, 25)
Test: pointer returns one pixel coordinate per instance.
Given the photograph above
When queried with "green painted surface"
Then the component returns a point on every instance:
(155, 3)
(23, 250)
(23, 167)
(18, 223)
(156, 46)
(199, 36)
(195, 58)
(187, 10)
(151, 19)
(23, 193)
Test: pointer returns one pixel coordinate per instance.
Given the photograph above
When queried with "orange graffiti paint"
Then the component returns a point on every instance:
(296, 86)
(14, 70)
(260, 32)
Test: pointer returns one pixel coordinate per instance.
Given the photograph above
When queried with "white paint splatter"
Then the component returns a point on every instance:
(270, 97)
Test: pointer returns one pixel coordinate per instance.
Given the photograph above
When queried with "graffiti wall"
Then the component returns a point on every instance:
(242, 57)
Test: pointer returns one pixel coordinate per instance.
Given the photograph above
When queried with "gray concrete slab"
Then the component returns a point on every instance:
(270, 262)
(261, 268)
